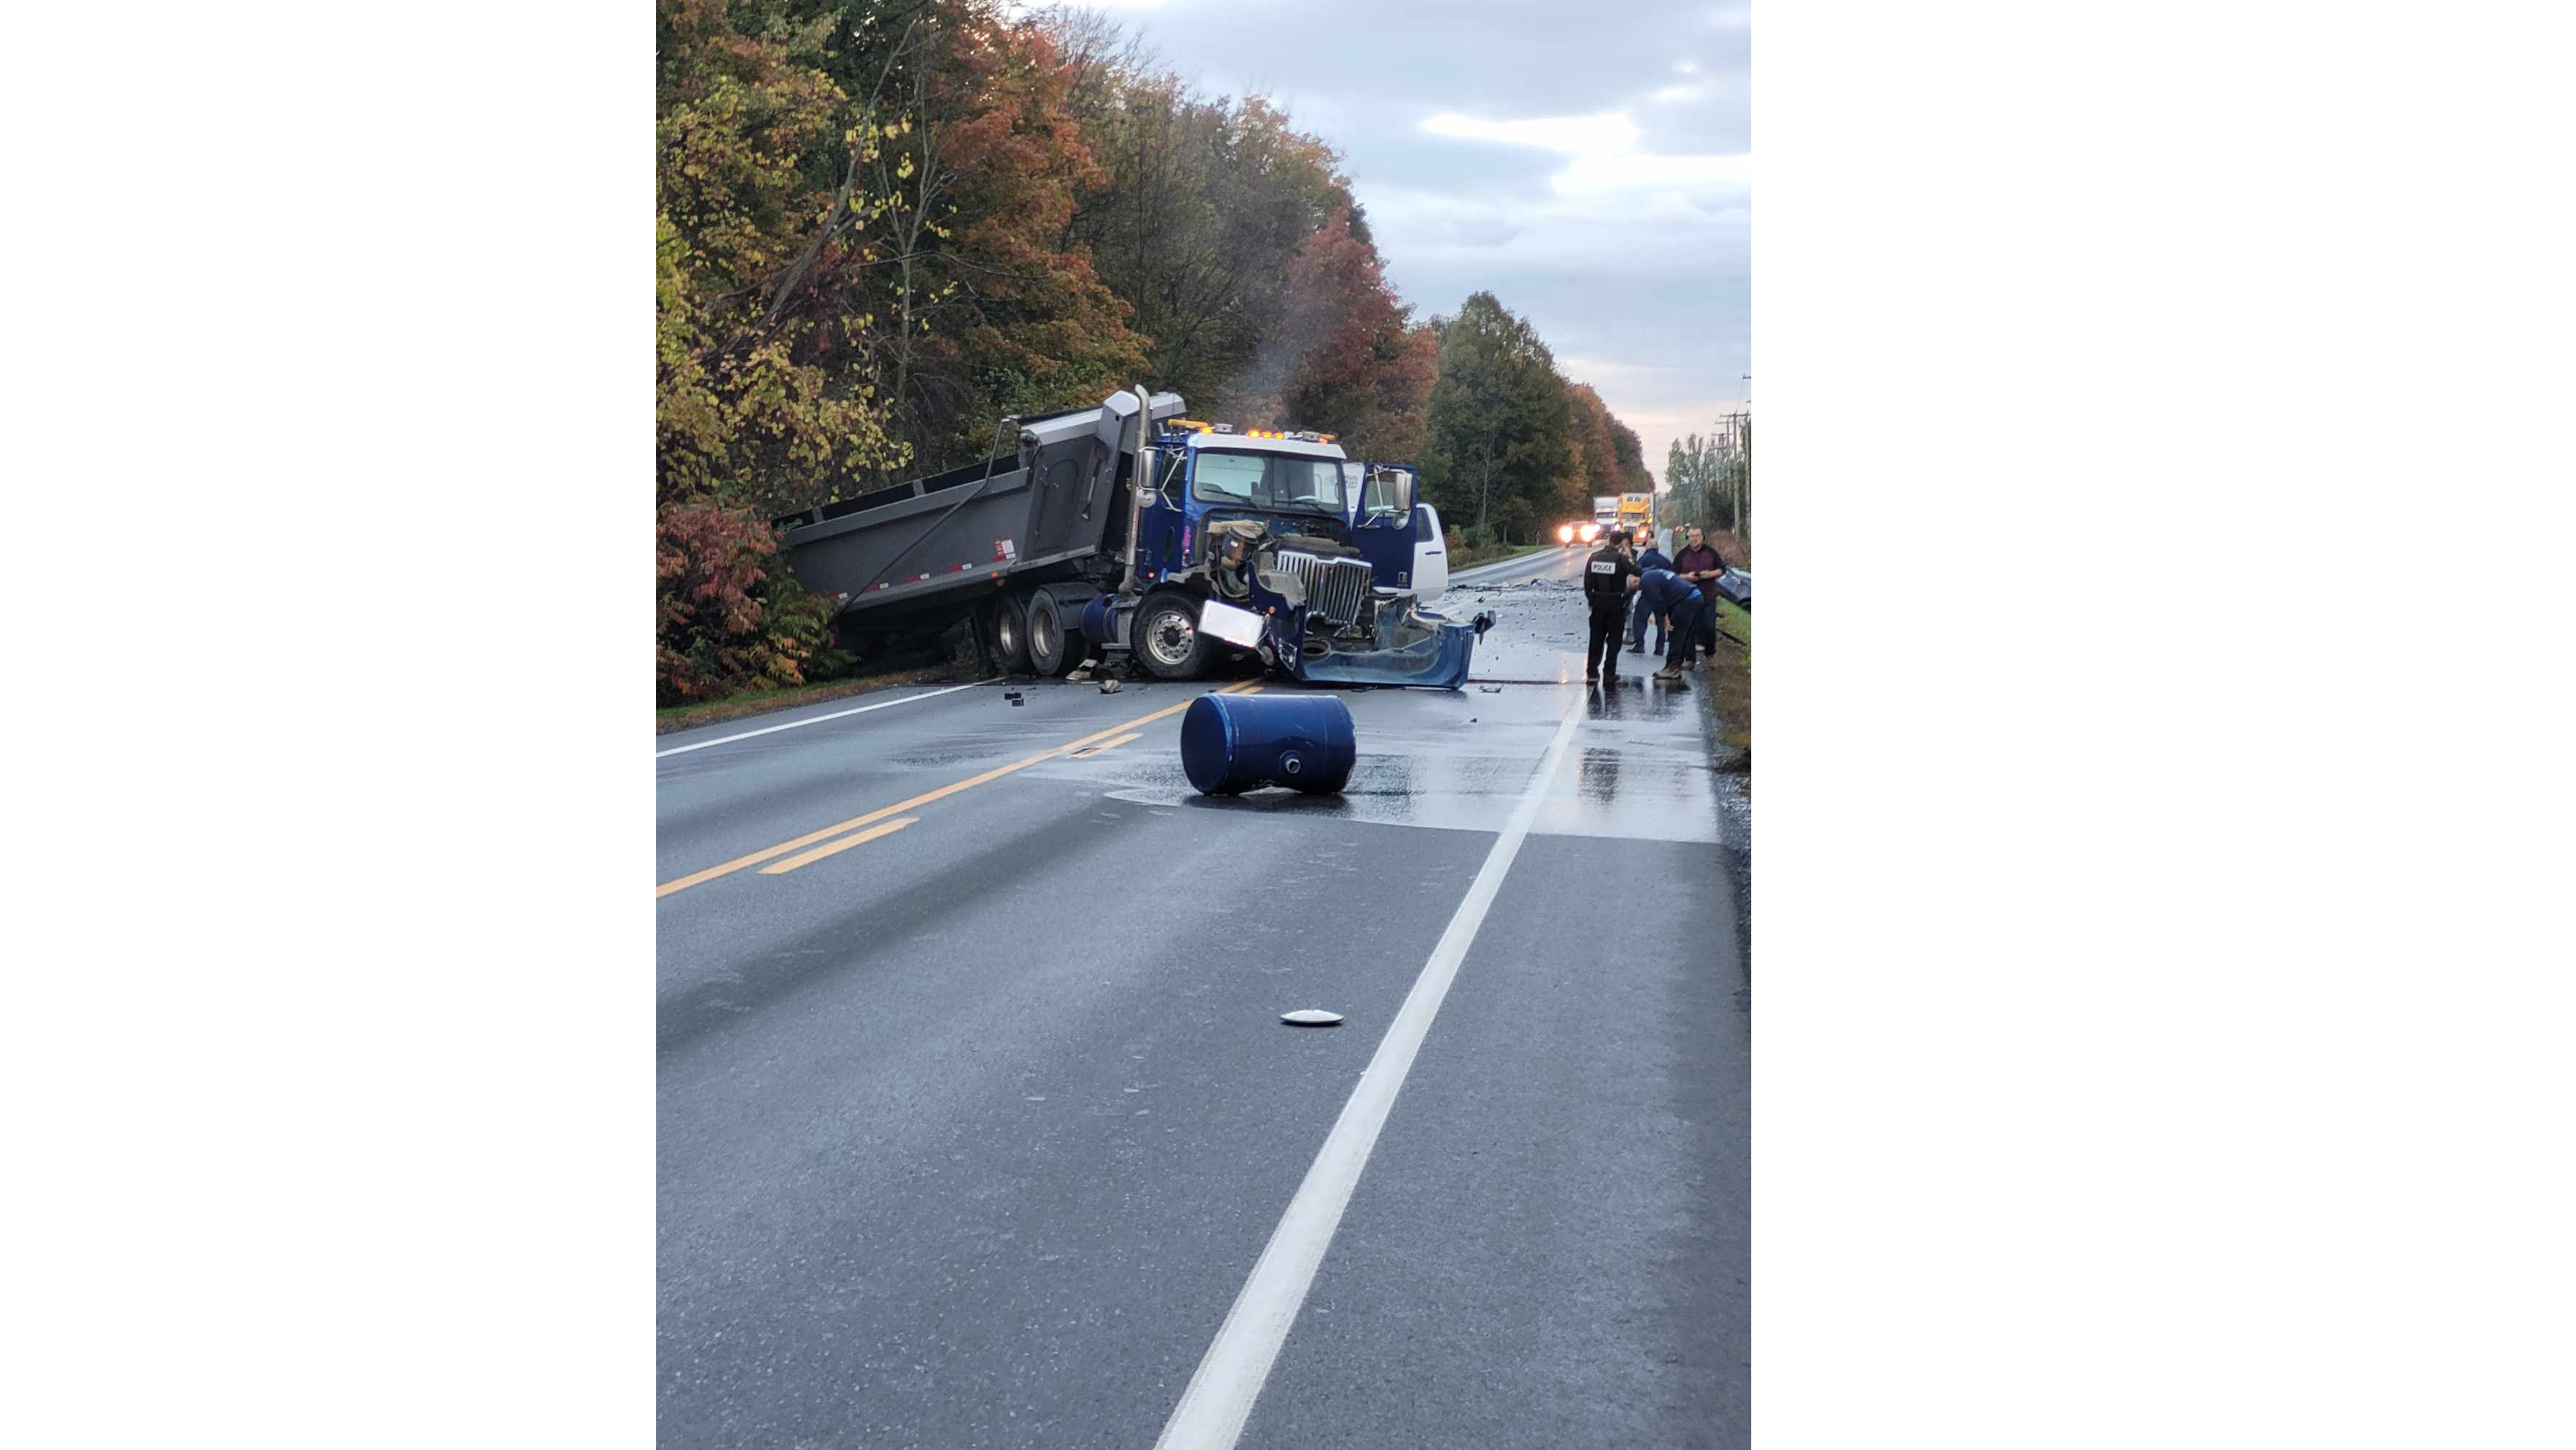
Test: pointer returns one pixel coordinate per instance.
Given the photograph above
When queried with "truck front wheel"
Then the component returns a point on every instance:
(1168, 639)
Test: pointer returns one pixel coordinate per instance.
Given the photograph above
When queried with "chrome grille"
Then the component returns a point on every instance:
(1335, 588)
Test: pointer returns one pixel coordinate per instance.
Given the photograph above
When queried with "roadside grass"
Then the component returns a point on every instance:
(1727, 678)
(761, 702)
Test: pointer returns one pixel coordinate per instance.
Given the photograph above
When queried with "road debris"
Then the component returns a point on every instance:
(1311, 1017)
(1236, 743)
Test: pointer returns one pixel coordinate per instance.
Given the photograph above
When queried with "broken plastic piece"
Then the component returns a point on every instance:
(1311, 1017)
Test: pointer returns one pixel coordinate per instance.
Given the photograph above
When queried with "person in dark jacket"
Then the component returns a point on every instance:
(1677, 599)
(1605, 588)
(1648, 557)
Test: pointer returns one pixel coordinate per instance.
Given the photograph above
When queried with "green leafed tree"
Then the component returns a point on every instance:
(1712, 479)
(1499, 447)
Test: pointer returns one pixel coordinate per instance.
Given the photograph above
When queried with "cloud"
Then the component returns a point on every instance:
(1596, 175)
(1574, 135)
(1500, 147)
(1603, 151)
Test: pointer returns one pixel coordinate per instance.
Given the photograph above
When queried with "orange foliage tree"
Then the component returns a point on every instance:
(1345, 357)
(987, 306)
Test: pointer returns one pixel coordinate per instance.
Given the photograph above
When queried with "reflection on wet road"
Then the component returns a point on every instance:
(1459, 761)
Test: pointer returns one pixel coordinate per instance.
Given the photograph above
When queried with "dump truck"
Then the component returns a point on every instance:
(1128, 534)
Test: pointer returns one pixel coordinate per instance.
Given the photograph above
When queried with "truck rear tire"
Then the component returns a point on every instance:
(1006, 624)
(1167, 639)
(1056, 645)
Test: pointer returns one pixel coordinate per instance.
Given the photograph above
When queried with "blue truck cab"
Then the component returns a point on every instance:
(1125, 532)
(1276, 543)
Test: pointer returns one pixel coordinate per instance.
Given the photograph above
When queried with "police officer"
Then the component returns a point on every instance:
(1605, 587)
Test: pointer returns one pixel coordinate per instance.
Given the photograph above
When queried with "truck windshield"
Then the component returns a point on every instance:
(1270, 480)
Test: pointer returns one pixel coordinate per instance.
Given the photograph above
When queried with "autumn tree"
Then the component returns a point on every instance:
(974, 301)
(1596, 443)
(1249, 264)
(860, 267)
(760, 400)
(883, 225)
(1344, 357)
(1631, 452)
(1205, 206)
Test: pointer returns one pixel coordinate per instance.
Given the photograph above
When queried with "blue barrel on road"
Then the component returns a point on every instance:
(1234, 743)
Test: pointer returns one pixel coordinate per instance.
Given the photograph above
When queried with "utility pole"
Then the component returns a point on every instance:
(1743, 461)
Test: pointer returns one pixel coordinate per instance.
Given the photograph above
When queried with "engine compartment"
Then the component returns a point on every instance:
(1325, 618)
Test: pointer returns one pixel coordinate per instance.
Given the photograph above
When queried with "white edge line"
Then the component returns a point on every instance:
(1527, 558)
(819, 719)
(1214, 1408)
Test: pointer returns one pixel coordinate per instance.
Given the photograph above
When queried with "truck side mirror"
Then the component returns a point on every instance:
(1388, 492)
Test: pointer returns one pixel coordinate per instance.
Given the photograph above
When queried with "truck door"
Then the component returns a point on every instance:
(1382, 524)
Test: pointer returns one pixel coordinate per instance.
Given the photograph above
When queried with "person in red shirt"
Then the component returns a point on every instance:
(1699, 564)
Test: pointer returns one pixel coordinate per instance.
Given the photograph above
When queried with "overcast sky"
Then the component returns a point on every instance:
(1590, 164)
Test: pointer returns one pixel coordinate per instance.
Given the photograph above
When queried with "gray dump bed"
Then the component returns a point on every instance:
(1050, 504)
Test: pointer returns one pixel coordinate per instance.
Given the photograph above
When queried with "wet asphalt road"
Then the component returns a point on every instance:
(970, 1133)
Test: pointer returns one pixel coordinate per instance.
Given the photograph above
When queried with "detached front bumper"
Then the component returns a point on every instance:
(1413, 647)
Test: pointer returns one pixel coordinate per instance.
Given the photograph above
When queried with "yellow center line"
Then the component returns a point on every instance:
(1105, 745)
(697, 878)
(883, 828)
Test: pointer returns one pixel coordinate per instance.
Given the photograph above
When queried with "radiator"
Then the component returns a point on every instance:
(1335, 588)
